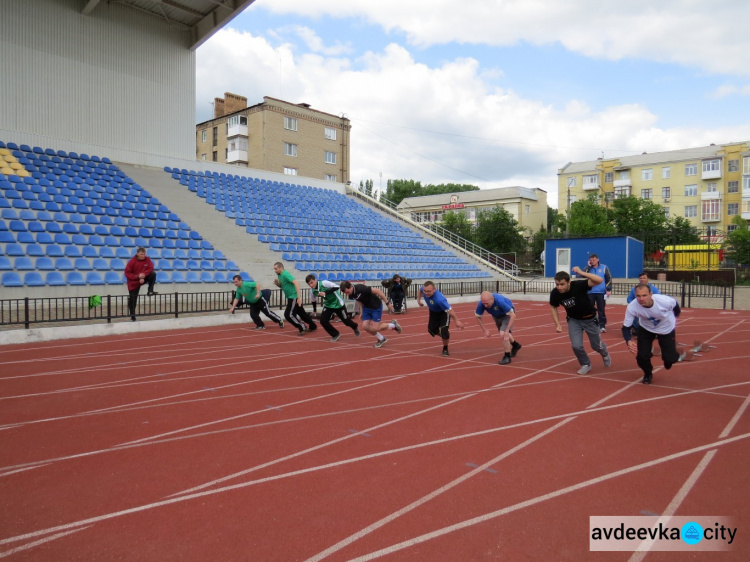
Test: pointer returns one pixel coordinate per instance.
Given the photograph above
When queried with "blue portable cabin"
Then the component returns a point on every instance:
(622, 254)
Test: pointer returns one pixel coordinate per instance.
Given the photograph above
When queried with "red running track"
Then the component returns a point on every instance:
(227, 444)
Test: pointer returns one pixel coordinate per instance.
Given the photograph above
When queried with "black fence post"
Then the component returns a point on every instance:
(109, 309)
(682, 295)
(27, 320)
(176, 304)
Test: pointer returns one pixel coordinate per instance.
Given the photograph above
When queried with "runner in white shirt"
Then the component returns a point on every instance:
(657, 315)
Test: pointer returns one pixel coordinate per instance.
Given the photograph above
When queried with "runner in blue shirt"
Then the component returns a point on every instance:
(502, 312)
(598, 294)
(440, 313)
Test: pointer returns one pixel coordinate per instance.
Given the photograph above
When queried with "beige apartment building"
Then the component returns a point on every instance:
(276, 136)
(528, 206)
(708, 185)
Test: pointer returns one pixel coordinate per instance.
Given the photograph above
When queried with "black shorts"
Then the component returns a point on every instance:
(437, 321)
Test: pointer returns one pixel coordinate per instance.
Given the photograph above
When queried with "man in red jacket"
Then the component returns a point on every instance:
(139, 271)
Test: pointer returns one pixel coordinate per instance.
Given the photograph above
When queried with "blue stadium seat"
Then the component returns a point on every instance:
(63, 264)
(94, 278)
(14, 250)
(53, 251)
(72, 252)
(206, 277)
(117, 264)
(221, 277)
(75, 278)
(33, 279)
(193, 277)
(5, 264)
(178, 277)
(100, 264)
(245, 276)
(82, 264)
(45, 264)
(12, 279)
(106, 252)
(163, 277)
(123, 253)
(113, 278)
(23, 263)
(6, 236)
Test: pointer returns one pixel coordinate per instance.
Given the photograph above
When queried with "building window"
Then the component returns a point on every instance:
(526, 209)
(731, 228)
(215, 156)
(734, 165)
(646, 193)
(666, 173)
(290, 123)
(745, 184)
(590, 181)
(746, 164)
(330, 133)
(691, 211)
(621, 192)
(710, 210)
(330, 177)
(216, 136)
(647, 174)
(572, 182)
(290, 149)
(623, 175)
(236, 120)
(290, 171)
(666, 211)
(733, 187)
(733, 209)
(203, 135)
(691, 169)
(666, 193)
(238, 143)
(330, 157)
(608, 177)
(691, 190)
(711, 165)
(711, 187)
(571, 199)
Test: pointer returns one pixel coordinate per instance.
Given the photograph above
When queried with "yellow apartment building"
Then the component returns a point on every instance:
(276, 136)
(708, 185)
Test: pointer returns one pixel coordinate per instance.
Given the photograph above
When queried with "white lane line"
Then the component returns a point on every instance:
(336, 464)
(432, 495)
(539, 499)
(683, 492)
(39, 542)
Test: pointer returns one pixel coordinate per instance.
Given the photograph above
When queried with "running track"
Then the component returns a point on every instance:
(226, 444)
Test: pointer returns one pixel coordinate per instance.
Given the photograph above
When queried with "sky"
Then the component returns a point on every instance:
(493, 93)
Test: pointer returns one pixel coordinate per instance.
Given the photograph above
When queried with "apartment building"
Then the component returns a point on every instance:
(708, 185)
(276, 136)
(528, 206)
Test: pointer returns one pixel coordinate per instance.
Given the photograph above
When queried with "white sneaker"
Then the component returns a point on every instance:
(584, 369)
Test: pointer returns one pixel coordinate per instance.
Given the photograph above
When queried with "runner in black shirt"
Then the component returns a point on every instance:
(372, 309)
(573, 296)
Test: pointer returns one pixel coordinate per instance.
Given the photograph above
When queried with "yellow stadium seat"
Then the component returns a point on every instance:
(7, 171)
(16, 166)
(4, 151)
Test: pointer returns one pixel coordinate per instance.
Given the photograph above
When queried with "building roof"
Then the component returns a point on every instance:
(646, 159)
(480, 196)
(202, 18)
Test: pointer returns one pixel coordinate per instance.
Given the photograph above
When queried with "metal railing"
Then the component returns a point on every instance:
(25, 312)
(492, 260)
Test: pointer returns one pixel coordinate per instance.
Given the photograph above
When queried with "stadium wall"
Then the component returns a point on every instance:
(117, 82)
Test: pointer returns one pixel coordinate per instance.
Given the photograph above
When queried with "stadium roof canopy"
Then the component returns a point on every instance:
(202, 18)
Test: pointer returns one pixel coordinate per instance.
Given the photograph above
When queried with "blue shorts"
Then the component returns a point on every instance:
(374, 314)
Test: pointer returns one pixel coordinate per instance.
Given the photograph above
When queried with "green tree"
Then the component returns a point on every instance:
(398, 190)
(497, 231)
(588, 218)
(556, 222)
(738, 242)
(682, 232)
(632, 216)
(458, 223)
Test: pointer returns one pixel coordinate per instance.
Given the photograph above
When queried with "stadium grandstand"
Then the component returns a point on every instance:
(97, 158)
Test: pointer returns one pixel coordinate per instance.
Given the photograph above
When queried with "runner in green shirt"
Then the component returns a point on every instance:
(258, 302)
(294, 312)
(333, 303)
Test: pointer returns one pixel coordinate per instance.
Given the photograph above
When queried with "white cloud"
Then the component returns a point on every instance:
(435, 125)
(726, 90)
(711, 36)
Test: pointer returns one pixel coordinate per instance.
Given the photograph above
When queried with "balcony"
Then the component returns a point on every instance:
(591, 186)
(237, 130)
(623, 183)
(237, 156)
(711, 174)
(710, 195)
